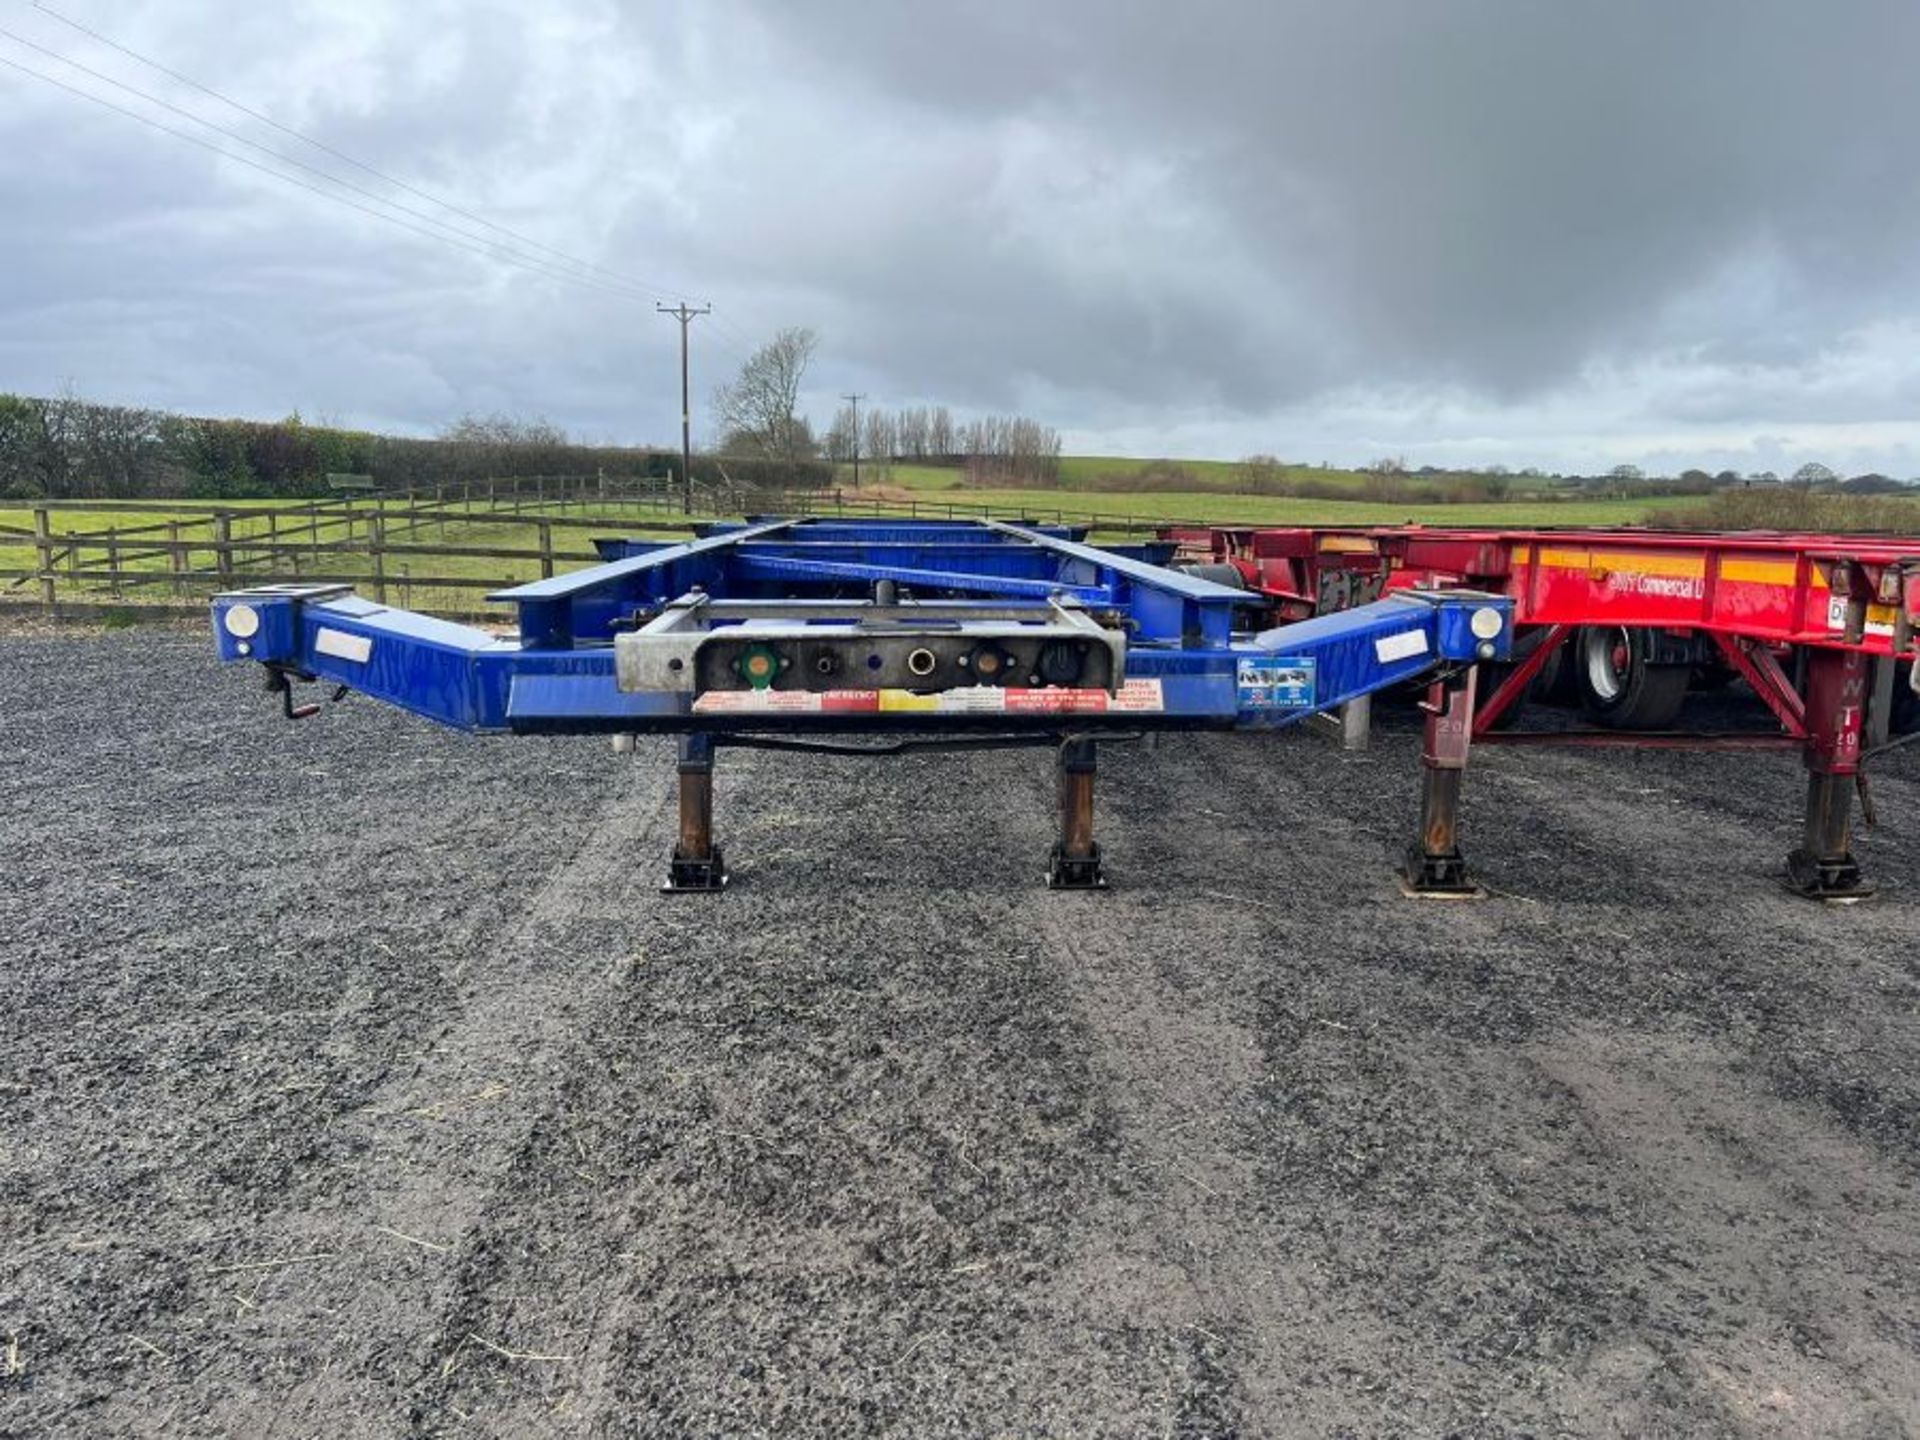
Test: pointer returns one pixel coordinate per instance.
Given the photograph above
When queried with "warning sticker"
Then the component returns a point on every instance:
(1135, 697)
(1880, 618)
(1276, 682)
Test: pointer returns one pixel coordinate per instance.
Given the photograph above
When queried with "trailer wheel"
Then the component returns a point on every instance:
(1219, 573)
(1557, 683)
(1493, 674)
(1709, 678)
(1619, 683)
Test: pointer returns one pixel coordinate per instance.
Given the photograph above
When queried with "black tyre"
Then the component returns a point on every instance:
(1555, 684)
(1219, 573)
(1495, 673)
(1710, 678)
(1620, 685)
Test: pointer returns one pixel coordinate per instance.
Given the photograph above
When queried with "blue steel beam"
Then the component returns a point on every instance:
(995, 554)
(763, 564)
(558, 673)
(586, 607)
(469, 679)
(583, 604)
(601, 577)
(1166, 604)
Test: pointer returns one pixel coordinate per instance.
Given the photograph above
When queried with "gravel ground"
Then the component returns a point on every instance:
(356, 1080)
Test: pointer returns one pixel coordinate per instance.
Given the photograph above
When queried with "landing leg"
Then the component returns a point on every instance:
(1075, 864)
(696, 863)
(1823, 868)
(1434, 867)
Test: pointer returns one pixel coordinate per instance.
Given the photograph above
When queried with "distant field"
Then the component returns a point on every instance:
(1282, 510)
(1085, 472)
(1088, 472)
(1205, 507)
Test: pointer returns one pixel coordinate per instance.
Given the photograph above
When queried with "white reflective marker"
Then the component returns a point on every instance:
(242, 621)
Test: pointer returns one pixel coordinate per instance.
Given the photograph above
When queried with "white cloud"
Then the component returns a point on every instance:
(1519, 234)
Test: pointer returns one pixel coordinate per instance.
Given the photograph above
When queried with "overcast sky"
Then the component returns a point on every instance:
(1559, 232)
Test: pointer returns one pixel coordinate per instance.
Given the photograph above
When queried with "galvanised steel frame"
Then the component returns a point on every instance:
(1836, 602)
(770, 631)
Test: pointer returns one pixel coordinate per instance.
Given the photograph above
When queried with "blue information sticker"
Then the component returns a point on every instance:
(1276, 682)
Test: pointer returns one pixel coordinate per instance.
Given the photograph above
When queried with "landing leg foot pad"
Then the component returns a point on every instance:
(1075, 872)
(704, 876)
(1437, 877)
(1834, 879)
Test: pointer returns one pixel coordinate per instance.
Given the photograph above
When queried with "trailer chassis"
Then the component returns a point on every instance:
(785, 633)
(1843, 605)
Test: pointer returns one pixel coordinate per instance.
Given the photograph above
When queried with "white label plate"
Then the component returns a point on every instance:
(342, 646)
(1404, 646)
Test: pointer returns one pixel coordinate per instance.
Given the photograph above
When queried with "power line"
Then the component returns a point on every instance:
(265, 119)
(733, 330)
(361, 190)
(485, 249)
(495, 249)
(433, 227)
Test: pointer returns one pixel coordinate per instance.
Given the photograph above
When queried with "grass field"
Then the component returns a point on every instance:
(1287, 510)
(1098, 473)
(934, 491)
(1087, 472)
(937, 487)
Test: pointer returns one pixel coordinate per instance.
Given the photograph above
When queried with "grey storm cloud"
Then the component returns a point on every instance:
(1465, 229)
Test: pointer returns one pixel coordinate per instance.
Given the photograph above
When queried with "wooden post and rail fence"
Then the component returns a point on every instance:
(193, 548)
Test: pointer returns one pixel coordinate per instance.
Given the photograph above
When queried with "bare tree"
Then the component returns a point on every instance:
(758, 412)
(878, 440)
(1009, 449)
(504, 444)
(911, 436)
(842, 436)
(498, 430)
(940, 442)
(1262, 474)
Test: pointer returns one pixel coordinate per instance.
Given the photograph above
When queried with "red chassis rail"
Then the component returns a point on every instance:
(1840, 599)
(1773, 588)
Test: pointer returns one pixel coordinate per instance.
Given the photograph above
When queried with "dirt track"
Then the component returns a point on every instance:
(354, 1079)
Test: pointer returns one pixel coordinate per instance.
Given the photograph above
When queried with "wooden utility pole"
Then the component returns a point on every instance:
(684, 313)
(854, 401)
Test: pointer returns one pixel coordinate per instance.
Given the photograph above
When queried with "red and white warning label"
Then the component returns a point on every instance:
(1135, 697)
